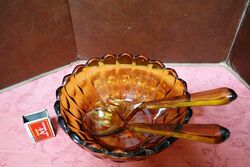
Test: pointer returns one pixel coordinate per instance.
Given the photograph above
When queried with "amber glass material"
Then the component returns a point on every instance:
(206, 133)
(218, 96)
(107, 121)
(136, 79)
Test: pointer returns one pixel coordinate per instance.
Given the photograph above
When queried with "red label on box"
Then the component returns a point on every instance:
(41, 130)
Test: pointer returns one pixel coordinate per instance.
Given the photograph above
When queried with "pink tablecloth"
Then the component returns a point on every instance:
(17, 150)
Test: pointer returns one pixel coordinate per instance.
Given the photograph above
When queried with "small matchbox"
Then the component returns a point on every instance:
(38, 126)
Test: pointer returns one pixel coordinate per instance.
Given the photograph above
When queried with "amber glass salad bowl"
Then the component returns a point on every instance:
(134, 78)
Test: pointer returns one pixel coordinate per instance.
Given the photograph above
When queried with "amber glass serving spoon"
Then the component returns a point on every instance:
(213, 97)
(103, 122)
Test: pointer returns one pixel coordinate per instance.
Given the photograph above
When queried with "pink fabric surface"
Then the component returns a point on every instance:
(16, 148)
